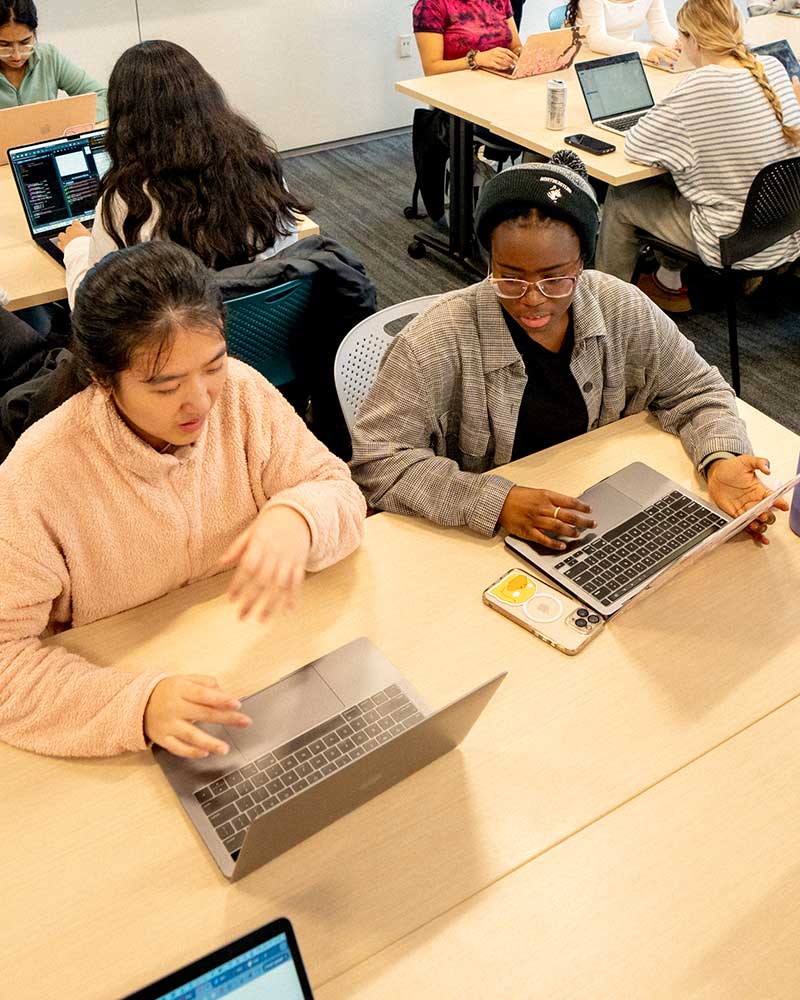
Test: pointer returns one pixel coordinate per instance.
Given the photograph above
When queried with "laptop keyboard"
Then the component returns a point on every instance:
(624, 122)
(621, 559)
(233, 801)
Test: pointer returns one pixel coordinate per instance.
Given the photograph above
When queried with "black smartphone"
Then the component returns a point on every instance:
(589, 144)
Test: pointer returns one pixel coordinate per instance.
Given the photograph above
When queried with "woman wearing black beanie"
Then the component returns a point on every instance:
(540, 351)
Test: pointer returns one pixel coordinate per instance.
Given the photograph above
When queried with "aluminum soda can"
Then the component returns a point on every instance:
(556, 104)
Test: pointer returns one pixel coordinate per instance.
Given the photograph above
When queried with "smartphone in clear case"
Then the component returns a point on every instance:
(554, 617)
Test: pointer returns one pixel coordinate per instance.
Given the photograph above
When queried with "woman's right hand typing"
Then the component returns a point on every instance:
(499, 58)
(177, 702)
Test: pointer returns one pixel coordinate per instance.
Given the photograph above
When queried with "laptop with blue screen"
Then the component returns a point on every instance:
(57, 183)
(264, 963)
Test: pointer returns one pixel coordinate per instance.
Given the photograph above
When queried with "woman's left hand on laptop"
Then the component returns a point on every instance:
(74, 230)
(272, 555)
(735, 488)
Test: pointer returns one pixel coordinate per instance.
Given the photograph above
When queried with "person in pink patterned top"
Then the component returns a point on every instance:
(447, 31)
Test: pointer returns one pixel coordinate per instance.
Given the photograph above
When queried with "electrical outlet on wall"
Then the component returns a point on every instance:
(404, 46)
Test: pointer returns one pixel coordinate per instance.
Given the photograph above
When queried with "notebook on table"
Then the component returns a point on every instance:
(58, 182)
(323, 741)
(45, 120)
(648, 529)
(265, 963)
(616, 91)
(548, 52)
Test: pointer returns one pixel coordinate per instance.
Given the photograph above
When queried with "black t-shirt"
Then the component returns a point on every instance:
(552, 408)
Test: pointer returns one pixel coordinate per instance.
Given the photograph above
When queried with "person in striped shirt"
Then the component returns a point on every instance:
(721, 124)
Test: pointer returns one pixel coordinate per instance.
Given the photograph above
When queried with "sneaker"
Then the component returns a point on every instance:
(668, 299)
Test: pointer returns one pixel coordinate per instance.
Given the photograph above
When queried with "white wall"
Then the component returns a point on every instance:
(91, 32)
(307, 71)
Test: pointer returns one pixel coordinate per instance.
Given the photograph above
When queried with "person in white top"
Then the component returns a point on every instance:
(723, 123)
(183, 166)
(610, 25)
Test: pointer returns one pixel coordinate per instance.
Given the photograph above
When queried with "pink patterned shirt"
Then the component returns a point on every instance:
(465, 24)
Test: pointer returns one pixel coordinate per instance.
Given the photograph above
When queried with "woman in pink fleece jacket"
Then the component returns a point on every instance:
(175, 464)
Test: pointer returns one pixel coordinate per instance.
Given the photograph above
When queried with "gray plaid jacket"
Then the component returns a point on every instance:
(444, 406)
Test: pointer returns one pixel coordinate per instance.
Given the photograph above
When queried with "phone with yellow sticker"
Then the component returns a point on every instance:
(552, 616)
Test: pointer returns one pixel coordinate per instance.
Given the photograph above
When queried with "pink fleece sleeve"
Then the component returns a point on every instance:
(52, 701)
(301, 473)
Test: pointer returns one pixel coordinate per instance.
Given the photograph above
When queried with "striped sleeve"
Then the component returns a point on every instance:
(660, 138)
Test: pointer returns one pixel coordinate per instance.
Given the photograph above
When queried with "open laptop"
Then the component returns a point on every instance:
(648, 528)
(45, 120)
(547, 52)
(324, 740)
(782, 51)
(57, 182)
(265, 963)
(616, 91)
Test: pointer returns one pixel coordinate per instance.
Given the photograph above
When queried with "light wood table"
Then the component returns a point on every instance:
(30, 276)
(688, 892)
(107, 877)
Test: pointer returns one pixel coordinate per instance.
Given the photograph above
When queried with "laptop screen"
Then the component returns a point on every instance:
(781, 50)
(614, 86)
(267, 970)
(58, 180)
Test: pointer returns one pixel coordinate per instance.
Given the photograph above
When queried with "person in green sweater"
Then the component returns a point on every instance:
(30, 71)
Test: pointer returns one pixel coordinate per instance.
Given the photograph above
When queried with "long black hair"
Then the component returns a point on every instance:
(19, 12)
(137, 298)
(173, 138)
(572, 12)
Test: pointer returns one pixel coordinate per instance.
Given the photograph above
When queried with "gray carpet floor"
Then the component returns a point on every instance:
(359, 193)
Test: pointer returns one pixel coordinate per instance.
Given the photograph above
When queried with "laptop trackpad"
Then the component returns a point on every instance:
(284, 710)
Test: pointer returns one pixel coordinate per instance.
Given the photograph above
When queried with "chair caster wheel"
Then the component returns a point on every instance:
(416, 250)
(410, 212)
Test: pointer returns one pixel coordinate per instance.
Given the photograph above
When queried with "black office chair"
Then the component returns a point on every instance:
(771, 212)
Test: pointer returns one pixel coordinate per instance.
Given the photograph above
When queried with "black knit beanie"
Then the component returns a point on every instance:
(559, 189)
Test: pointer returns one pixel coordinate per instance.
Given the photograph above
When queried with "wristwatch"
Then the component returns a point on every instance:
(471, 60)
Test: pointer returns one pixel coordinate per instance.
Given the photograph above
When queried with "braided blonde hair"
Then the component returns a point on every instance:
(716, 26)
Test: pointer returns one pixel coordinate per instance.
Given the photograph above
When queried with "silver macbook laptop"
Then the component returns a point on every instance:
(324, 740)
(57, 183)
(42, 120)
(616, 91)
(264, 963)
(648, 527)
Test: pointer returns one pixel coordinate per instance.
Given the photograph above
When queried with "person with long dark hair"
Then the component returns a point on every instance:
(185, 167)
(175, 464)
(32, 71)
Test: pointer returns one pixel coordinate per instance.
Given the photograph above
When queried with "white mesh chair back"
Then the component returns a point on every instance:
(359, 355)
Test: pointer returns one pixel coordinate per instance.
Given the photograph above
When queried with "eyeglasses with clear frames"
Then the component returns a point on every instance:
(551, 288)
(16, 50)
